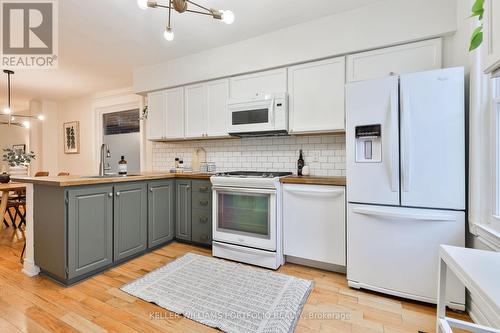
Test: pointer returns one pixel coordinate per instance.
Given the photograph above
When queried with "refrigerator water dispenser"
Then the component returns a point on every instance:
(369, 144)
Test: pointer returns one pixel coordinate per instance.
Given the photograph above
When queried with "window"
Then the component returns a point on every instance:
(121, 122)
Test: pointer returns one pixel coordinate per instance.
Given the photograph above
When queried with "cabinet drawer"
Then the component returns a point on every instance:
(202, 187)
(201, 228)
(202, 200)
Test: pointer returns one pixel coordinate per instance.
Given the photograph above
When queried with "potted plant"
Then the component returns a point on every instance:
(18, 160)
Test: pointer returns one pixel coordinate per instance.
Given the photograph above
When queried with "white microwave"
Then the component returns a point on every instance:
(263, 115)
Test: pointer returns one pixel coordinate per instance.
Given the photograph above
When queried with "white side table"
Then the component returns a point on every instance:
(479, 271)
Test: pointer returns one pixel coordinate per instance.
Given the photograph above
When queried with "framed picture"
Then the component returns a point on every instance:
(72, 137)
(19, 147)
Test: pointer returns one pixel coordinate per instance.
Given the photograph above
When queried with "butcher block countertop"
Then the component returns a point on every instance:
(64, 181)
(313, 180)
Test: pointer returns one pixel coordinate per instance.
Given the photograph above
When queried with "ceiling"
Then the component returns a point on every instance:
(101, 41)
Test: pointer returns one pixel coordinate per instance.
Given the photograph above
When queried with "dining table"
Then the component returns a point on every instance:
(5, 189)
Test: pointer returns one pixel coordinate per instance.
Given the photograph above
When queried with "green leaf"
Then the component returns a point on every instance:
(478, 5)
(476, 39)
(478, 9)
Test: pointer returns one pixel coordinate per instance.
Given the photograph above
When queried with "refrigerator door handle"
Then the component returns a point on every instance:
(393, 142)
(405, 141)
(382, 212)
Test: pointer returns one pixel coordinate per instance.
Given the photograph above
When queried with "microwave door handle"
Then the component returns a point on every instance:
(271, 111)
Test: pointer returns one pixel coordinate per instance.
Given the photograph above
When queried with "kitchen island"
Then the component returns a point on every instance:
(79, 226)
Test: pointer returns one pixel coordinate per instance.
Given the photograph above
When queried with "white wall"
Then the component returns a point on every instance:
(380, 24)
(77, 110)
(43, 136)
(87, 111)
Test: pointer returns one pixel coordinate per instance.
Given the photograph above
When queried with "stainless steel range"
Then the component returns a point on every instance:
(247, 217)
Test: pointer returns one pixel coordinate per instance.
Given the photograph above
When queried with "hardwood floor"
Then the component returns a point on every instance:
(97, 305)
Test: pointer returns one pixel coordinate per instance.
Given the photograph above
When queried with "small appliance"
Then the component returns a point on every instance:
(263, 115)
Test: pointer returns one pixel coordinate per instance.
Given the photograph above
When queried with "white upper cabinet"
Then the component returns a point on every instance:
(491, 46)
(157, 103)
(174, 113)
(316, 96)
(268, 82)
(216, 115)
(205, 108)
(195, 103)
(408, 58)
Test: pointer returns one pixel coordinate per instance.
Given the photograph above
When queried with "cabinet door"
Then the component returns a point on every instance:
(174, 113)
(90, 229)
(183, 209)
(491, 47)
(157, 105)
(195, 102)
(408, 58)
(130, 220)
(216, 115)
(268, 82)
(316, 96)
(160, 212)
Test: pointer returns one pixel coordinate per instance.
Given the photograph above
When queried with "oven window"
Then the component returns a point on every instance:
(251, 117)
(244, 213)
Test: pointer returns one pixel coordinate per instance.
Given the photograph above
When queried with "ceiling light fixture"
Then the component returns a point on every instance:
(7, 111)
(182, 6)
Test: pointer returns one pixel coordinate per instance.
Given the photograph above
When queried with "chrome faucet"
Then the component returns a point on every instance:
(105, 153)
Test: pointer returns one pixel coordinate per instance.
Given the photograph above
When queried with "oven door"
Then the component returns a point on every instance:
(245, 216)
(251, 116)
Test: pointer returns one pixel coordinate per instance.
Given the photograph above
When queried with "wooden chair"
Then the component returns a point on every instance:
(63, 173)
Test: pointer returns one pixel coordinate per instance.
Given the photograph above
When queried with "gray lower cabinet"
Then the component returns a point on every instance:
(201, 217)
(84, 229)
(130, 219)
(183, 209)
(90, 229)
(161, 212)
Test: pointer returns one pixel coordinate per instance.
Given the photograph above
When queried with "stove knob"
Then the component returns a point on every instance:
(271, 175)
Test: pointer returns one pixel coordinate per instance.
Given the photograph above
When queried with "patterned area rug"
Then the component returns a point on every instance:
(229, 296)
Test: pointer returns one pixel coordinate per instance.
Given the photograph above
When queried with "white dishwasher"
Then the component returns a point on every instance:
(314, 225)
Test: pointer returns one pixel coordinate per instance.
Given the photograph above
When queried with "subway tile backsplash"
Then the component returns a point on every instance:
(325, 154)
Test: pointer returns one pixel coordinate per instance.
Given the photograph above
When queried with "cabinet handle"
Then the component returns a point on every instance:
(204, 203)
(150, 190)
(188, 187)
(117, 194)
(204, 189)
(110, 195)
(203, 220)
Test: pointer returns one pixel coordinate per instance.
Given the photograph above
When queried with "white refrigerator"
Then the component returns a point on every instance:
(405, 142)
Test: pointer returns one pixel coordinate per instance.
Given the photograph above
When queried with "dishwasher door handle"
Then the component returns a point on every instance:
(315, 192)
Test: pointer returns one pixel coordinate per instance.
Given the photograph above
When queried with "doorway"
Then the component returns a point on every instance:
(122, 133)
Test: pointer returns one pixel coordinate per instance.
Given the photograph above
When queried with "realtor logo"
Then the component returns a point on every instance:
(29, 33)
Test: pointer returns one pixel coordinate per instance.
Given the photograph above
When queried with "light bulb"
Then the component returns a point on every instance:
(41, 117)
(168, 34)
(227, 17)
(7, 110)
(143, 4)
(26, 124)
